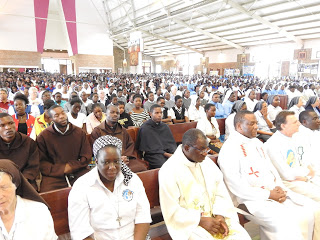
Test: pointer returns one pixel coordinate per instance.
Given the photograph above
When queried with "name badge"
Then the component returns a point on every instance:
(127, 195)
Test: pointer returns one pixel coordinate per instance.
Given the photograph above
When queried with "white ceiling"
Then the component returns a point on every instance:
(172, 27)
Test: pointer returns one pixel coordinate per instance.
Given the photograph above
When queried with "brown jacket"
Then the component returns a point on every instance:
(121, 133)
(56, 150)
(23, 151)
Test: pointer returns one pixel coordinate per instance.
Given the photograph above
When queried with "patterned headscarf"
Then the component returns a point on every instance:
(108, 140)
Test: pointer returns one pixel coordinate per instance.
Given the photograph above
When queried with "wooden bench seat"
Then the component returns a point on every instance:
(58, 203)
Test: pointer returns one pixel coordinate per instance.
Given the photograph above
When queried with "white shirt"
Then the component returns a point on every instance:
(229, 125)
(93, 209)
(285, 158)
(296, 110)
(173, 115)
(79, 121)
(273, 112)
(262, 124)
(250, 104)
(195, 114)
(87, 102)
(307, 142)
(205, 126)
(35, 112)
(32, 221)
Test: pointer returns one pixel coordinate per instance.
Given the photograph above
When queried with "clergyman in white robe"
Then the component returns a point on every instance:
(189, 191)
(250, 176)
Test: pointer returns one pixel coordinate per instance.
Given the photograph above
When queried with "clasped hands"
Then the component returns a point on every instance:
(215, 225)
(277, 194)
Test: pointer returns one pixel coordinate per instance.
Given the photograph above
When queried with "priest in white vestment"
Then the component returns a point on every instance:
(194, 200)
(252, 179)
(307, 140)
(287, 158)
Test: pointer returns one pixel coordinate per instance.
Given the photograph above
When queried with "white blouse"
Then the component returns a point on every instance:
(205, 126)
(32, 221)
(93, 209)
(79, 121)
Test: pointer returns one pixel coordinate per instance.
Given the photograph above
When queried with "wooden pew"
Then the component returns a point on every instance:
(58, 203)
(151, 184)
(283, 101)
(222, 127)
(180, 128)
(133, 132)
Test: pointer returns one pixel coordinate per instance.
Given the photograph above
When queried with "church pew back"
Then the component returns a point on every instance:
(283, 101)
(221, 123)
(150, 182)
(58, 203)
(180, 128)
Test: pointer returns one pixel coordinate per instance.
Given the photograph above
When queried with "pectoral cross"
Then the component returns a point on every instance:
(119, 219)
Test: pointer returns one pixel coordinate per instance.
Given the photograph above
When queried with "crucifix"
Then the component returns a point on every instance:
(118, 220)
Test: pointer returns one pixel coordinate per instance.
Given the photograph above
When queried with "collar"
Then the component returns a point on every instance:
(20, 213)
(181, 157)
(58, 130)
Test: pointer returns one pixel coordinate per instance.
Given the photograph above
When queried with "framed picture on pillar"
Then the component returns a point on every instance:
(134, 59)
(243, 59)
(302, 55)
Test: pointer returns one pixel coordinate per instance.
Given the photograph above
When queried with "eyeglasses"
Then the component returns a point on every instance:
(206, 150)
(115, 163)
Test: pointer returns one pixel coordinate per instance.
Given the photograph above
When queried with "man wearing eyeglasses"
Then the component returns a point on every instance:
(252, 179)
(194, 200)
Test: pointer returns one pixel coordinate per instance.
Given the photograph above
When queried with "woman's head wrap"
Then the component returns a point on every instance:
(310, 101)
(237, 106)
(108, 140)
(24, 188)
(294, 101)
(247, 93)
(270, 99)
(258, 106)
(227, 96)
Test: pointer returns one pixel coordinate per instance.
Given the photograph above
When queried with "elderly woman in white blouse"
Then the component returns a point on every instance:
(209, 126)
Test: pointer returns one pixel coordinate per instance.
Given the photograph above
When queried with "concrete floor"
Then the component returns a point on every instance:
(253, 230)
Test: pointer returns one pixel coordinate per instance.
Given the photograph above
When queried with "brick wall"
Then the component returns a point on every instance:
(92, 61)
(20, 58)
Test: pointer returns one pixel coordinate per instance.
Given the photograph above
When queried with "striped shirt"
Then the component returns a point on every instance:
(138, 118)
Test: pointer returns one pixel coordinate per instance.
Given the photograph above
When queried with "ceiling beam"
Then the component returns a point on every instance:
(265, 22)
(208, 34)
(150, 22)
(157, 51)
(118, 45)
(170, 41)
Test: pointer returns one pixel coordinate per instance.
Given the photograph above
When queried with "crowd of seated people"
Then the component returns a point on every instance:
(55, 125)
